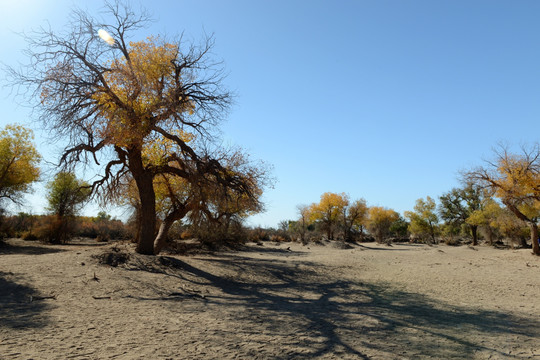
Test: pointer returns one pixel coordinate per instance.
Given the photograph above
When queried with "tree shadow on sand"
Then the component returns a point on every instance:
(350, 319)
(26, 248)
(17, 310)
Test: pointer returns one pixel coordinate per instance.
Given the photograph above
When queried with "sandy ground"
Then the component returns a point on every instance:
(270, 302)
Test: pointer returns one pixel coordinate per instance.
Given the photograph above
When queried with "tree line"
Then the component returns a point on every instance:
(498, 201)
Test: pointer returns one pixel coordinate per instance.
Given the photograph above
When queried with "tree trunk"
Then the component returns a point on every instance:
(148, 216)
(534, 238)
(489, 234)
(303, 233)
(474, 232)
(532, 225)
(432, 233)
(161, 237)
(138, 223)
(144, 180)
(171, 218)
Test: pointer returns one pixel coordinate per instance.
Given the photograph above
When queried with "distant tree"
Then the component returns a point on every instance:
(424, 219)
(459, 204)
(380, 220)
(515, 179)
(66, 195)
(354, 218)
(111, 100)
(487, 217)
(399, 228)
(303, 221)
(19, 162)
(283, 226)
(328, 211)
(103, 216)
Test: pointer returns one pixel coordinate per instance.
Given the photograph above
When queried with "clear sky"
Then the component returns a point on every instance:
(384, 100)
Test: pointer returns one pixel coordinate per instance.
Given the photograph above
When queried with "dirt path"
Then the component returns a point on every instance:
(368, 302)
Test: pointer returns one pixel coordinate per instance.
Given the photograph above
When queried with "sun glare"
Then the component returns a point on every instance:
(105, 36)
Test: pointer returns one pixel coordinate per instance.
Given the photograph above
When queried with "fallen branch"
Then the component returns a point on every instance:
(101, 297)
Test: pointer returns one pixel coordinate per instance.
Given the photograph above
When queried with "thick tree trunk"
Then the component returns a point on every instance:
(474, 232)
(144, 180)
(534, 238)
(148, 216)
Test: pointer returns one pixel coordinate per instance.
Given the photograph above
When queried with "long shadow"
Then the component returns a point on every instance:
(389, 248)
(26, 249)
(16, 308)
(351, 317)
(273, 250)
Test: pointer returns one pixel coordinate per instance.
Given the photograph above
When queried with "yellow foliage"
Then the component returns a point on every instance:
(19, 161)
(378, 215)
(156, 152)
(516, 178)
(423, 220)
(379, 221)
(137, 89)
(330, 207)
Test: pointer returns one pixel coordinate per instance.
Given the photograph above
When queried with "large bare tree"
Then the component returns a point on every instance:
(114, 101)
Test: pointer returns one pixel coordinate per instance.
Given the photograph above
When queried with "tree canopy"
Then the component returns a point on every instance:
(424, 219)
(380, 219)
(328, 211)
(66, 194)
(19, 162)
(515, 179)
(459, 204)
(113, 100)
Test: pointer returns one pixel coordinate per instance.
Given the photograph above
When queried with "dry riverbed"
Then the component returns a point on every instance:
(276, 301)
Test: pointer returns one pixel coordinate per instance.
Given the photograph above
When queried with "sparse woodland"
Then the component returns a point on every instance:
(146, 115)
(182, 275)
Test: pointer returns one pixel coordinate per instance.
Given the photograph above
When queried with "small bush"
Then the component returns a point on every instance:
(258, 235)
(452, 241)
(100, 228)
(280, 238)
(103, 238)
(29, 235)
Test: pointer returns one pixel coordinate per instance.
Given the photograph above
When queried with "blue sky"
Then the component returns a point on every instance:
(384, 100)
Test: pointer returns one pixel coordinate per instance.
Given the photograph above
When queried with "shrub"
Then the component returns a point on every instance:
(280, 238)
(29, 235)
(55, 229)
(258, 235)
(452, 241)
(100, 228)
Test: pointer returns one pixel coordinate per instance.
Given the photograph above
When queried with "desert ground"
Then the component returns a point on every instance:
(275, 301)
